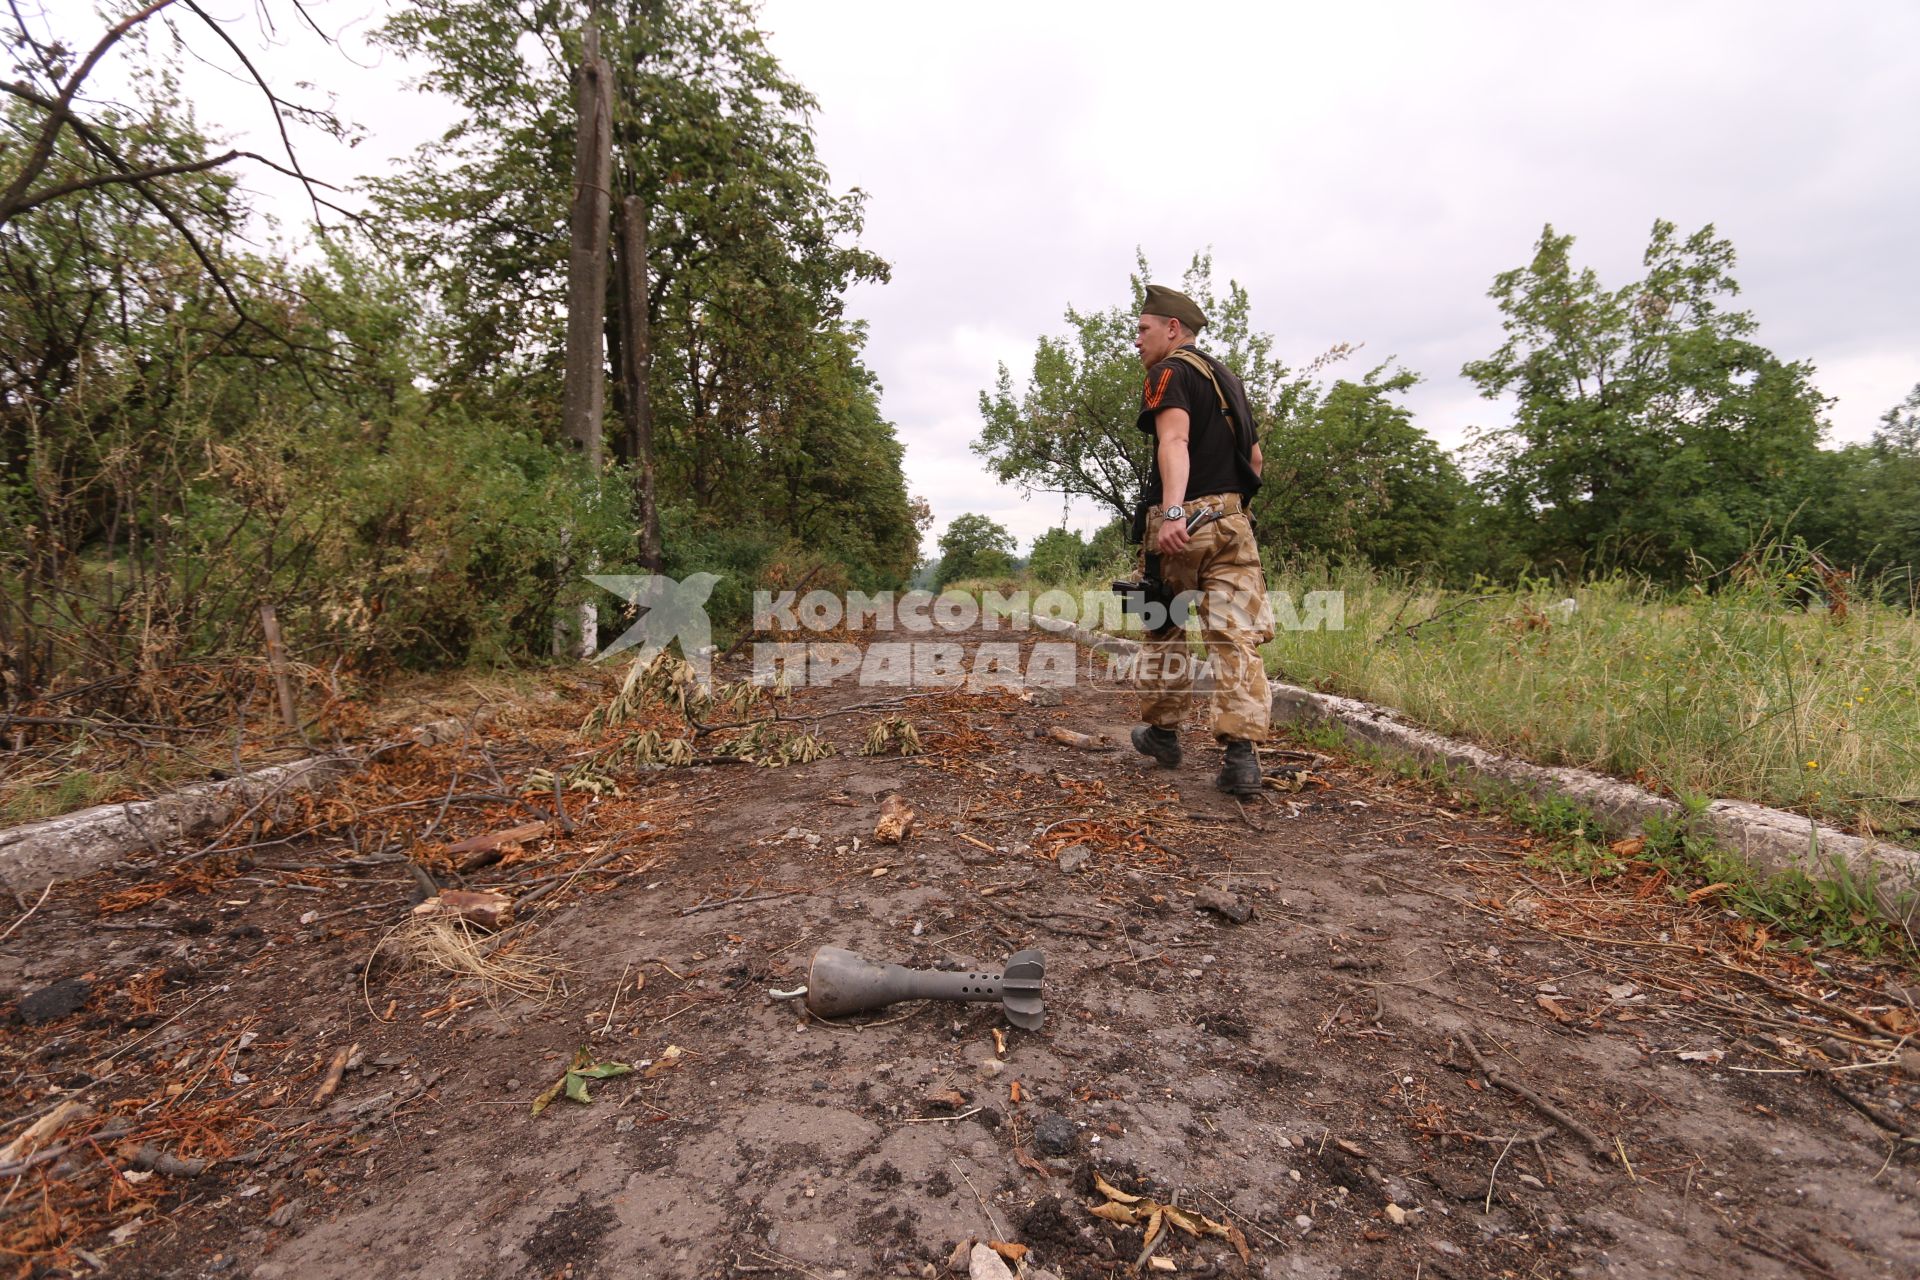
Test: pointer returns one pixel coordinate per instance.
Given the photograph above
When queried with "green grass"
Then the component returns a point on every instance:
(1833, 910)
(1731, 693)
(1734, 691)
(55, 795)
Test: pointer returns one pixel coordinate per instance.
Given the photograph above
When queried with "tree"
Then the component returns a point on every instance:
(1074, 427)
(1867, 515)
(1352, 475)
(740, 378)
(1894, 508)
(66, 143)
(1058, 557)
(974, 546)
(1650, 428)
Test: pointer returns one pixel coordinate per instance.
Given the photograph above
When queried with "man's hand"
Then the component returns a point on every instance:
(1172, 538)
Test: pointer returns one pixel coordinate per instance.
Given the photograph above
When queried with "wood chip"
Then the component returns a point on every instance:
(896, 820)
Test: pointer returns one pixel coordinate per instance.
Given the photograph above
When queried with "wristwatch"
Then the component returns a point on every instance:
(1174, 512)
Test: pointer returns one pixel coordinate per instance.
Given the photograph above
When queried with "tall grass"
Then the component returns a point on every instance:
(1732, 691)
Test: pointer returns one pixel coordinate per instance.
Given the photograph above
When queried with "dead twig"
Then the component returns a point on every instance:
(1890, 1123)
(958, 1115)
(999, 1231)
(30, 910)
(734, 902)
(1533, 1099)
(337, 1068)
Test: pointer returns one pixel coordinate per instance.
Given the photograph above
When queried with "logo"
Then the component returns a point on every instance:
(669, 610)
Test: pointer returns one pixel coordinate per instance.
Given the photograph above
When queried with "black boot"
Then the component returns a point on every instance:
(1162, 744)
(1240, 775)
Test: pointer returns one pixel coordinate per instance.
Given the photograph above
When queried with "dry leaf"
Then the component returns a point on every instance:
(1013, 1092)
(1113, 1211)
(1161, 1264)
(951, 1099)
(1628, 848)
(1708, 890)
(1901, 1022)
(1703, 1055)
(667, 1061)
(1183, 1220)
(1112, 1192)
(1552, 1006)
(1026, 1161)
(1011, 1252)
(1000, 1042)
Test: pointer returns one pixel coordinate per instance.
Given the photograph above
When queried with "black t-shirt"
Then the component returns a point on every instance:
(1212, 465)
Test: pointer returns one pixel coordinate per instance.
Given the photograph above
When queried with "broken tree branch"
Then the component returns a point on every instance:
(1540, 1104)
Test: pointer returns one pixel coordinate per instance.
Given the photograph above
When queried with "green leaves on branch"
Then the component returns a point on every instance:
(573, 1081)
(1650, 429)
(764, 416)
(973, 546)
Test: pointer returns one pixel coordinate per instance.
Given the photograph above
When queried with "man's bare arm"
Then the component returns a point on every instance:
(1170, 430)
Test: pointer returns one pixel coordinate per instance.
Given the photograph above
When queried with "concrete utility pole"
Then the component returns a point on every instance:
(636, 361)
(584, 398)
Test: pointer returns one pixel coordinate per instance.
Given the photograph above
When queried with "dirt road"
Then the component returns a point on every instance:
(1419, 1055)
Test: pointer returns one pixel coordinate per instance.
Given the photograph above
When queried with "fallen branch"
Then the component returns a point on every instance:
(152, 1157)
(45, 1127)
(30, 910)
(734, 902)
(1539, 1103)
(335, 1069)
(1890, 1123)
(1078, 741)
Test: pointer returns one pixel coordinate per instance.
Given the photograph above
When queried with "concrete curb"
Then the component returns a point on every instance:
(1771, 840)
(79, 843)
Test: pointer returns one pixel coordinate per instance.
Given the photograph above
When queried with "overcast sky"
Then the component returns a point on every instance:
(1363, 169)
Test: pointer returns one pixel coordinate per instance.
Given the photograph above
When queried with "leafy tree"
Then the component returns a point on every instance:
(974, 546)
(761, 413)
(1074, 426)
(1058, 557)
(1895, 507)
(1867, 514)
(1107, 551)
(1353, 476)
(1649, 427)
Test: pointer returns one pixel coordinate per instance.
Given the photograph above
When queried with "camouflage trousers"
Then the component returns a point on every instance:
(1218, 579)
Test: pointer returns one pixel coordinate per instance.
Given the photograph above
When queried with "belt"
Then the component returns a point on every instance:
(1226, 504)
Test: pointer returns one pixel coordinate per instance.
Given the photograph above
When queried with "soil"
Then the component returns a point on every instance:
(1308, 1076)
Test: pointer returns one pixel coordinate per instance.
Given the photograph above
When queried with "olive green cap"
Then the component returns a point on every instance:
(1162, 301)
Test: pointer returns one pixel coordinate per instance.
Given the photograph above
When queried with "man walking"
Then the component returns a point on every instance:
(1206, 465)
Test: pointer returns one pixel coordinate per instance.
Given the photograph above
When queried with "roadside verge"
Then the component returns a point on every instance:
(1771, 841)
(37, 854)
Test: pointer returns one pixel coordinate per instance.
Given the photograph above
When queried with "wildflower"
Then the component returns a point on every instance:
(1813, 764)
